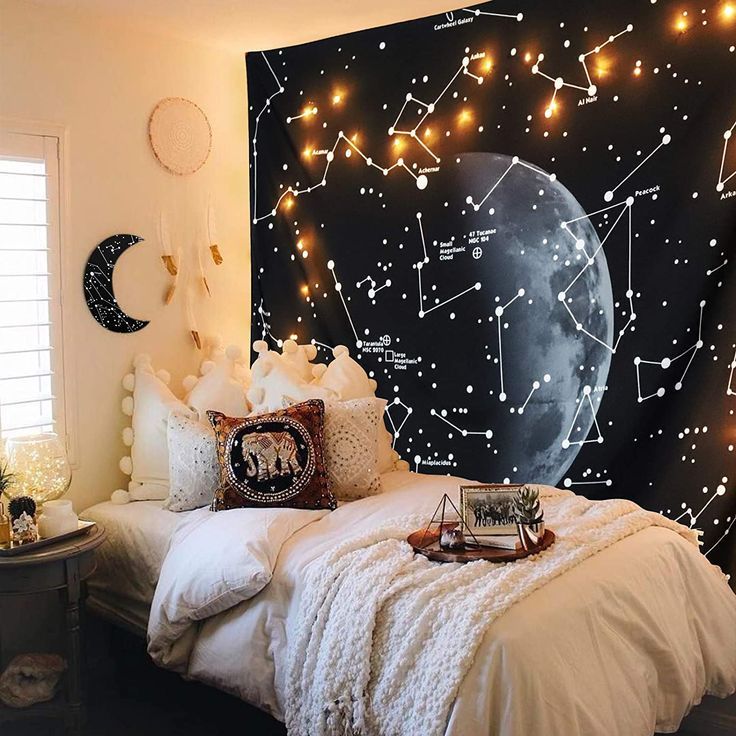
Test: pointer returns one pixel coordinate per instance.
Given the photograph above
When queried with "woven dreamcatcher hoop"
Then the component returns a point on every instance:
(180, 135)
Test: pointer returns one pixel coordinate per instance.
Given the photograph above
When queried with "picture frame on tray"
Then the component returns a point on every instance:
(488, 509)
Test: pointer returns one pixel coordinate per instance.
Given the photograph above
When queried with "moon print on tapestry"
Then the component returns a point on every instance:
(541, 306)
(461, 319)
(98, 287)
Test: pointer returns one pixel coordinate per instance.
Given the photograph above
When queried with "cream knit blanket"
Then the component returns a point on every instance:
(384, 637)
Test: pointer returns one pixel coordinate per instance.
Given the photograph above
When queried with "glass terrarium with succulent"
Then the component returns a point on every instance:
(529, 516)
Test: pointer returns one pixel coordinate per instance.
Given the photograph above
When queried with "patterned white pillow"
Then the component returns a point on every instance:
(347, 378)
(193, 468)
(351, 446)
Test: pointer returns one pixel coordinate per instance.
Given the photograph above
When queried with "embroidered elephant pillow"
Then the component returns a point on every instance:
(274, 459)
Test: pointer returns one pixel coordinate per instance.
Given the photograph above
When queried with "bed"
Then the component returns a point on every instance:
(129, 562)
(625, 643)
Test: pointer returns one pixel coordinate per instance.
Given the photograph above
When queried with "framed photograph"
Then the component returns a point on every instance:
(488, 509)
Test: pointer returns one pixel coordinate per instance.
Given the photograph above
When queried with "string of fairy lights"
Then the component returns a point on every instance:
(597, 65)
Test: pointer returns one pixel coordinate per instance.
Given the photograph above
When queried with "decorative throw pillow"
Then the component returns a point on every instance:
(222, 385)
(347, 378)
(274, 459)
(351, 447)
(152, 400)
(277, 382)
(193, 468)
(300, 357)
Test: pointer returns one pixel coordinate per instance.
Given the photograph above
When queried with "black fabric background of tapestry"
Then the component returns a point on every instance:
(532, 255)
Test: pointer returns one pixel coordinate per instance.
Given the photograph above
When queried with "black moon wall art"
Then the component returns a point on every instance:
(518, 216)
(98, 287)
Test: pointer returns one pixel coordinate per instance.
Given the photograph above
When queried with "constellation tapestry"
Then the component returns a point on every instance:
(518, 216)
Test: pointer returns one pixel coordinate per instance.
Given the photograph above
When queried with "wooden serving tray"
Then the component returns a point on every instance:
(19, 549)
(426, 543)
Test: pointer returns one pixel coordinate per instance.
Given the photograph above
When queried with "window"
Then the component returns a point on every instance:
(31, 380)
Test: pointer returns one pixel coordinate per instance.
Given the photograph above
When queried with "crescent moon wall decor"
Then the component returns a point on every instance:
(180, 135)
(98, 288)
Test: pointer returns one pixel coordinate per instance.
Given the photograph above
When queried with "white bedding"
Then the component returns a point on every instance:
(129, 562)
(214, 562)
(623, 644)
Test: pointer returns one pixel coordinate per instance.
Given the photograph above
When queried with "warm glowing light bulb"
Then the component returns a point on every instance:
(288, 203)
(294, 337)
(729, 11)
(637, 71)
(428, 133)
(465, 116)
(354, 137)
(305, 290)
(488, 65)
(527, 57)
(681, 25)
(307, 152)
(602, 67)
(300, 244)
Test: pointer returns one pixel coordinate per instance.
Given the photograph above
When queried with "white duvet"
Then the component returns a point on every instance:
(625, 643)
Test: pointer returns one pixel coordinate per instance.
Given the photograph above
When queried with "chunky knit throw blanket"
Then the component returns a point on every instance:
(385, 637)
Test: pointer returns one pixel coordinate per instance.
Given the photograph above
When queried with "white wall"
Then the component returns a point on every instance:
(101, 81)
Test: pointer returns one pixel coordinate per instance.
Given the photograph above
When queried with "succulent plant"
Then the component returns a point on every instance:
(6, 478)
(527, 506)
(21, 504)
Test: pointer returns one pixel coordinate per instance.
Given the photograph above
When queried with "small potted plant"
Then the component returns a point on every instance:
(6, 477)
(6, 480)
(529, 517)
(18, 504)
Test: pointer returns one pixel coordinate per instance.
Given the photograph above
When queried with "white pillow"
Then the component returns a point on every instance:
(388, 459)
(150, 405)
(351, 447)
(277, 383)
(299, 357)
(193, 468)
(221, 387)
(214, 562)
(347, 378)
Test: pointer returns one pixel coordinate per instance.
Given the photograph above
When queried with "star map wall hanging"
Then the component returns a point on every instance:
(518, 216)
(98, 287)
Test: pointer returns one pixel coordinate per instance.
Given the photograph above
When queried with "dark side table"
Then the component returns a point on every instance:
(63, 567)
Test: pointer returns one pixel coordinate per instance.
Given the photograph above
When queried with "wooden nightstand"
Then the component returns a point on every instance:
(63, 567)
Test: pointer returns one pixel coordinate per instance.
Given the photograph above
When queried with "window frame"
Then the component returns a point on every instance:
(54, 142)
